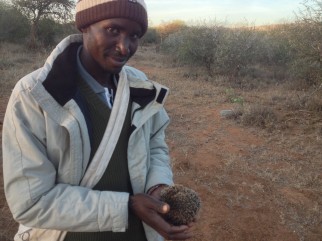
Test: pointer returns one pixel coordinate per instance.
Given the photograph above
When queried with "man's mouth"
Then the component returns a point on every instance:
(119, 60)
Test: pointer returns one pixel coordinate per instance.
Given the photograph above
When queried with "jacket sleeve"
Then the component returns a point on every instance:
(30, 179)
(159, 170)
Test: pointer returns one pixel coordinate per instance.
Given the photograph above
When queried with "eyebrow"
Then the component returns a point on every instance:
(119, 26)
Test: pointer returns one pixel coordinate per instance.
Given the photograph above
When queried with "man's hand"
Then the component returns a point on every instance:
(151, 210)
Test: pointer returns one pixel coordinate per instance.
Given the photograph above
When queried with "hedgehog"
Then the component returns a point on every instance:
(184, 204)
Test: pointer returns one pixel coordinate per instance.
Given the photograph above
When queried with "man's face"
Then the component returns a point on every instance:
(109, 44)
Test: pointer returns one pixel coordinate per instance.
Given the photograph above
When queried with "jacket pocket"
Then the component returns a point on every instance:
(34, 234)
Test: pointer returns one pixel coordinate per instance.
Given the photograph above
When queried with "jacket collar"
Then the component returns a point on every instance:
(59, 76)
(59, 73)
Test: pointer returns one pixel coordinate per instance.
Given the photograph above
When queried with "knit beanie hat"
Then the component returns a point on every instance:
(92, 11)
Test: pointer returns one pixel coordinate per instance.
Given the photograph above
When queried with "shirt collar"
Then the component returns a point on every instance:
(95, 86)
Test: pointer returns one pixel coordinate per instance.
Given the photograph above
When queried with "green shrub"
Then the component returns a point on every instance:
(291, 50)
(276, 47)
(232, 97)
(14, 27)
(150, 37)
(237, 50)
(51, 32)
(195, 46)
(260, 116)
(306, 38)
(227, 51)
(68, 29)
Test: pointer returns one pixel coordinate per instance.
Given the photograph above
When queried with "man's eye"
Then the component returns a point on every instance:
(112, 30)
(135, 36)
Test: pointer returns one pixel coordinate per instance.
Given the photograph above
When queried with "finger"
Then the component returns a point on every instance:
(169, 231)
(192, 224)
(179, 229)
(176, 235)
(141, 200)
(176, 230)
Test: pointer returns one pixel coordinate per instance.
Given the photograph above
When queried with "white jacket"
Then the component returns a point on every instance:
(46, 149)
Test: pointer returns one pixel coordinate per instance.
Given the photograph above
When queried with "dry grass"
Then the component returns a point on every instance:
(15, 62)
(260, 116)
(255, 183)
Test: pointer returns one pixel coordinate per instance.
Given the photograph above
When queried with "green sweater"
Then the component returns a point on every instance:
(116, 176)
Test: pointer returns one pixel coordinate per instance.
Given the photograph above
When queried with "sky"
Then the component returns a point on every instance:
(230, 12)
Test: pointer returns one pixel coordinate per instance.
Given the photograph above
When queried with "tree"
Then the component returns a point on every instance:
(17, 30)
(35, 10)
(307, 38)
(150, 37)
(311, 12)
(168, 28)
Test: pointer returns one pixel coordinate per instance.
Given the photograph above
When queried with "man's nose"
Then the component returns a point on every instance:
(123, 45)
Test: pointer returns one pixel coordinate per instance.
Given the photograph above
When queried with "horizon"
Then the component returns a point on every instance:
(229, 12)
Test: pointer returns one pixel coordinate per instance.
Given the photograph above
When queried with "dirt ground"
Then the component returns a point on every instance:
(254, 184)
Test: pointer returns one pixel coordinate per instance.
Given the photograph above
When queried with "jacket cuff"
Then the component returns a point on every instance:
(113, 211)
(158, 177)
(155, 187)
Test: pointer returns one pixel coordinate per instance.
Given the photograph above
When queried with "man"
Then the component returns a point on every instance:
(83, 137)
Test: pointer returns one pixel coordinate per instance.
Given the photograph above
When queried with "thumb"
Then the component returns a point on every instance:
(164, 208)
(159, 206)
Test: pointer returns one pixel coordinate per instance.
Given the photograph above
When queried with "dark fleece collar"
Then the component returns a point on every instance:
(61, 81)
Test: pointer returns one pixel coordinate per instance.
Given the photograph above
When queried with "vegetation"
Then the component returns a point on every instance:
(152, 36)
(44, 19)
(37, 10)
(269, 53)
(165, 29)
(287, 50)
(248, 51)
(307, 39)
(244, 57)
(13, 25)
